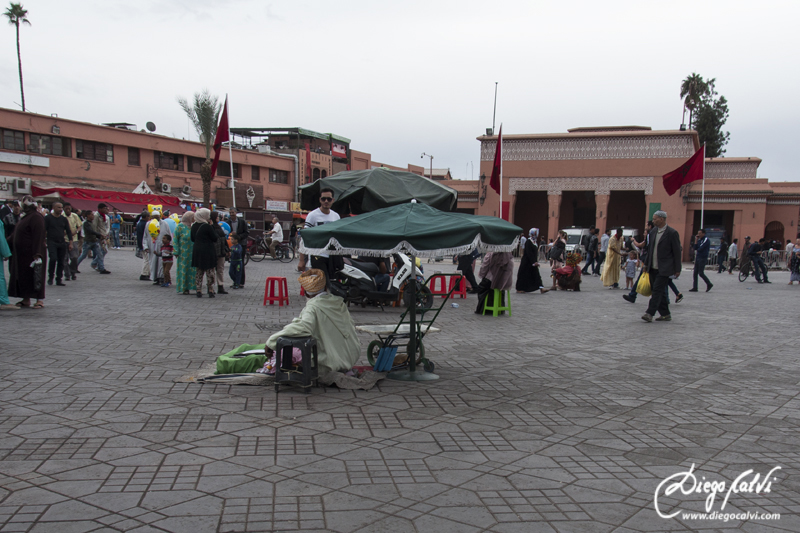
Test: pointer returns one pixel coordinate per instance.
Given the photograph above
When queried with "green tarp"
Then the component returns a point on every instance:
(228, 364)
(362, 191)
(416, 228)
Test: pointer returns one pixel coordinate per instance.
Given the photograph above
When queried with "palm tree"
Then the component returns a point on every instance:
(204, 114)
(17, 14)
(692, 90)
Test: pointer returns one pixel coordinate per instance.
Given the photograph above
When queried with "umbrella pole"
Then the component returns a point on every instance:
(412, 374)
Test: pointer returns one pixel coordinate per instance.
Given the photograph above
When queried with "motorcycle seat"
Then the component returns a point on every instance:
(367, 268)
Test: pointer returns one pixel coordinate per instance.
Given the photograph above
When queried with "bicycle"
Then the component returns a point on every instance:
(744, 270)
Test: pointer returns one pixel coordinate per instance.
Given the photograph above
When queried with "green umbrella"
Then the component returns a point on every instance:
(415, 228)
(419, 230)
(361, 191)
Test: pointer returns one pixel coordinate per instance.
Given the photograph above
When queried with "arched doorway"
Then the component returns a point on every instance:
(315, 174)
(324, 174)
(774, 232)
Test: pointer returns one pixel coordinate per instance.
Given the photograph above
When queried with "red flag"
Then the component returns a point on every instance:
(494, 182)
(688, 172)
(222, 136)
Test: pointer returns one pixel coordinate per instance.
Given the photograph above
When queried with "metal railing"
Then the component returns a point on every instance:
(774, 259)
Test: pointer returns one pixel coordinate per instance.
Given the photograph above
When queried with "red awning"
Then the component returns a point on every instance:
(126, 202)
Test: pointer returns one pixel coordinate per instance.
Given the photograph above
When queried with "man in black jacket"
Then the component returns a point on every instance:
(59, 242)
(663, 263)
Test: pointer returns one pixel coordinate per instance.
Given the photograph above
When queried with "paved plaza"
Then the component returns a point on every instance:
(564, 417)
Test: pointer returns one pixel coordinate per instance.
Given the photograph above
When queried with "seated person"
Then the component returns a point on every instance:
(382, 278)
(326, 318)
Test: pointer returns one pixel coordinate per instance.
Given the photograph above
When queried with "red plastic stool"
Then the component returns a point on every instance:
(438, 288)
(283, 291)
(462, 286)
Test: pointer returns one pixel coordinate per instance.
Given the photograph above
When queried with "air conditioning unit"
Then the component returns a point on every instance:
(186, 189)
(166, 187)
(22, 185)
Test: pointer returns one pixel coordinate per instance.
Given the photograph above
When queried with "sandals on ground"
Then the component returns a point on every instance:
(38, 305)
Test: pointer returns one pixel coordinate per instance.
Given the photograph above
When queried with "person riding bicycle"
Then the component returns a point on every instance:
(274, 237)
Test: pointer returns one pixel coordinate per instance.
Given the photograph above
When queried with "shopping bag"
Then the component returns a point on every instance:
(643, 287)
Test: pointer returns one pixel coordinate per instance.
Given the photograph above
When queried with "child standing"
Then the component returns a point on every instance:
(235, 270)
(166, 258)
(630, 269)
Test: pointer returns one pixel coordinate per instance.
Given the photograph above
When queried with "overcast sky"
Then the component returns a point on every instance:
(402, 78)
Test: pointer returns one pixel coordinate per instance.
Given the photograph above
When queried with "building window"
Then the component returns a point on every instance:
(255, 173)
(168, 161)
(224, 170)
(133, 157)
(46, 144)
(13, 140)
(94, 151)
(195, 164)
(278, 176)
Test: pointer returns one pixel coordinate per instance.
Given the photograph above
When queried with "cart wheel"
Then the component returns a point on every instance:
(420, 352)
(372, 351)
(428, 366)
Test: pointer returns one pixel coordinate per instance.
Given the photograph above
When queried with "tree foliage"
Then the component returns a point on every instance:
(16, 15)
(708, 113)
(204, 115)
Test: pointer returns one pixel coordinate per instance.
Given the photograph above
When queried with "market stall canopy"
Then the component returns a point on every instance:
(126, 202)
(415, 228)
(362, 191)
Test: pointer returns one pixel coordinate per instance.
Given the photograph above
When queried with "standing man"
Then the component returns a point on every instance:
(663, 264)
(322, 215)
(91, 242)
(239, 228)
(591, 252)
(722, 255)
(116, 224)
(101, 228)
(603, 250)
(733, 255)
(71, 262)
(759, 268)
(141, 228)
(10, 217)
(275, 236)
(59, 241)
(701, 248)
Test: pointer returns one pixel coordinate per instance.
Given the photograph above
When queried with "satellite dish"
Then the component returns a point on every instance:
(150, 127)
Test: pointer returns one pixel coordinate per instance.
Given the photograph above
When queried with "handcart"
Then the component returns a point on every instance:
(391, 338)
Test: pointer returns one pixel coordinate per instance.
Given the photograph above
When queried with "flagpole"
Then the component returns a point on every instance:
(230, 155)
(500, 140)
(703, 193)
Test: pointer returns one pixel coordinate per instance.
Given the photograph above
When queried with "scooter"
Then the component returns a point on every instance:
(355, 282)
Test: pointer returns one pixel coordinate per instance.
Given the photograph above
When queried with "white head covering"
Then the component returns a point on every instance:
(202, 216)
(534, 233)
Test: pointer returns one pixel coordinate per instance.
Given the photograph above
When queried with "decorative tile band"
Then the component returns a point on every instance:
(647, 147)
(600, 185)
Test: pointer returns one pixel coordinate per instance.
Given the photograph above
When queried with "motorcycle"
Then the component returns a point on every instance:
(355, 282)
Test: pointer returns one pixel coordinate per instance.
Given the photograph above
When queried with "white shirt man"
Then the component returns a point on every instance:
(322, 215)
(275, 236)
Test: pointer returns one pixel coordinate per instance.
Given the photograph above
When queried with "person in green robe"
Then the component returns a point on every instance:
(5, 253)
(184, 271)
(326, 318)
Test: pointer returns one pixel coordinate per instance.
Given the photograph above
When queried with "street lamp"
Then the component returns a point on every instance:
(426, 155)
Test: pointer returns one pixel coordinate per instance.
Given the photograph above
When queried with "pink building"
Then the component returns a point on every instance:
(48, 152)
(611, 177)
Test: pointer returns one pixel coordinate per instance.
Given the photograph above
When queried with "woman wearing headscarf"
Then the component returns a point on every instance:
(28, 245)
(184, 272)
(204, 255)
(528, 277)
(222, 250)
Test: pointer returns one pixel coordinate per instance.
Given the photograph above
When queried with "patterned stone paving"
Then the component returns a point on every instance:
(562, 418)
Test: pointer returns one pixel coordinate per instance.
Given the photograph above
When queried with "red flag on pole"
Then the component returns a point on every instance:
(222, 136)
(494, 182)
(690, 171)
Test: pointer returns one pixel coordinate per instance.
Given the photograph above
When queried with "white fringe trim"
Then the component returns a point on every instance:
(334, 248)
